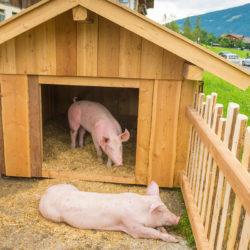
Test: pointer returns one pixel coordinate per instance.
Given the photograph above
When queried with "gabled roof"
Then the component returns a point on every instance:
(134, 22)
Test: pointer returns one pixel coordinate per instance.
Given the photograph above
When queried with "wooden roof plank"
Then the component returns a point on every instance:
(170, 40)
(134, 22)
(34, 16)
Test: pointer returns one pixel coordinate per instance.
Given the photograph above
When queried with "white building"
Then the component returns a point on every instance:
(132, 4)
(7, 11)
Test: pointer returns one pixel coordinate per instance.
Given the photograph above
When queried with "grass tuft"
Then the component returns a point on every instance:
(183, 228)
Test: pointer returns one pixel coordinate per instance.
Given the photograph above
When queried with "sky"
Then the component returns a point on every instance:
(177, 9)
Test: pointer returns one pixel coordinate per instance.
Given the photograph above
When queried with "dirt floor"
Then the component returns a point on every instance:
(22, 227)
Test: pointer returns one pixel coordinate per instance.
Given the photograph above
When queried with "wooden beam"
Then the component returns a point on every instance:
(79, 13)
(88, 176)
(192, 72)
(235, 173)
(193, 214)
(90, 81)
(170, 40)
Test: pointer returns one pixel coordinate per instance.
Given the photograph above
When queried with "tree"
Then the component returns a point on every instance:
(225, 42)
(197, 29)
(170, 23)
(239, 44)
(187, 30)
(211, 38)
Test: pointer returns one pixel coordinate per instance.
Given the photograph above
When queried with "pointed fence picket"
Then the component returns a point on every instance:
(216, 186)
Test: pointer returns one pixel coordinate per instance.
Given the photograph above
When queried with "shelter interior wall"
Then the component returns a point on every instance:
(121, 102)
(62, 46)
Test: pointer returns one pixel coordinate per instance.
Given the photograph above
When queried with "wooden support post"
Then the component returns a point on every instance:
(2, 167)
(35, 127)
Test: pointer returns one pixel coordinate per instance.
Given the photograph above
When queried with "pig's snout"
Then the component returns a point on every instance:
(118, 164)
(172, 220)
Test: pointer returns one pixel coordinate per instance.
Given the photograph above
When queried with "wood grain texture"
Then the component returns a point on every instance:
(2, 163)
(184, 127)
(192, 72)
(235, 173)
(151, 60)
(169, 40)
(87, 47)
(238, 205)
(163, 143)
(35, 135)
(8, 57)
(144, 130)
(172, 66)
(66, 47)
(16, 125)
(108, 48)
(45, 48)
(88, 176)
(198, 230)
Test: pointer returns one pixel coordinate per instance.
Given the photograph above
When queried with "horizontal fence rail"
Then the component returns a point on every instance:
(216, 185)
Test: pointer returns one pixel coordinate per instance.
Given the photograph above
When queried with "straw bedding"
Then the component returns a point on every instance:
(57, 154)
(22, 227)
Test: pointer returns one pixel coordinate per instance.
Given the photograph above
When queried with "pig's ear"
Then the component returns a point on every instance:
(153, 189)
(125, 135)
(104, 141)
(156, 207)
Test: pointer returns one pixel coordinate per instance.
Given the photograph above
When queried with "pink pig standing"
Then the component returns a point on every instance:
(141, 216)
(105, 130)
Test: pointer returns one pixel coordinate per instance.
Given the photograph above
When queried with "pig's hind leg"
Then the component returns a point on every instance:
(73, 134)
(82, 132)
(140, 231)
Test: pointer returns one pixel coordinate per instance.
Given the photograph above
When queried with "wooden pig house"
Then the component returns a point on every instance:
(98, 50)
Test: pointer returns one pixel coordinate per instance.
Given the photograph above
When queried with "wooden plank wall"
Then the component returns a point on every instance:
(122, 103)
(62, 46)
(35, 133)
(162, 153)
(184, 127)
(2, 164)
(15, 125)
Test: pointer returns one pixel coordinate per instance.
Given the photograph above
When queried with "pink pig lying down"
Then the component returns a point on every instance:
(105, 130)
(141, 216)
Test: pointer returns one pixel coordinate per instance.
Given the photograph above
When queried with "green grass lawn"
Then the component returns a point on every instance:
(240, 53)
(227, 93)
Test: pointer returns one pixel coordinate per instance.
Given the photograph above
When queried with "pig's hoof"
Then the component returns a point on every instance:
(173, 239)
(72, 147)
(100, 160)
(170, 238)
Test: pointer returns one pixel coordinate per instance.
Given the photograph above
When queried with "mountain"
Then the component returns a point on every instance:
(234, 20)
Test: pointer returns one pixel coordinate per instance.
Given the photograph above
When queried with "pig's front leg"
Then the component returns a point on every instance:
(140, 231)
(162, 229)
(82, 132)
(98, 150)
(109, 163)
